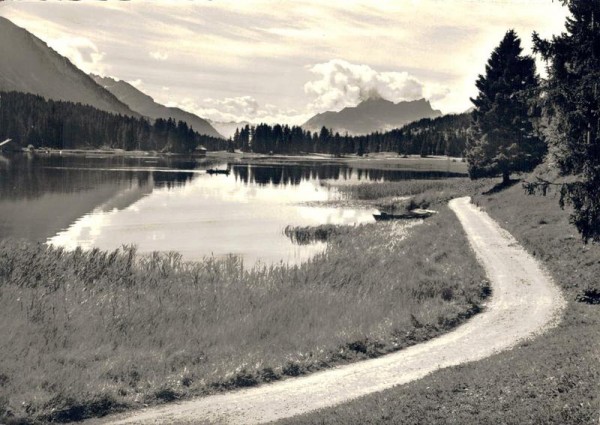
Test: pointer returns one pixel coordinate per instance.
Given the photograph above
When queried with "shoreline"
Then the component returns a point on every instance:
(381, 160)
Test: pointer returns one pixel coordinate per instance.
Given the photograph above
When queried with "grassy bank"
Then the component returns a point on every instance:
(407, 195)
(86, 333)
(436, 191)
(553, 379)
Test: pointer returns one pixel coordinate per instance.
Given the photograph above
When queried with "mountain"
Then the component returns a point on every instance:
(29, 65)
(145, 105)
(371, 115)
(227, 129)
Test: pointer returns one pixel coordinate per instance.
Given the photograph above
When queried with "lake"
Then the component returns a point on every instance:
(170, 204)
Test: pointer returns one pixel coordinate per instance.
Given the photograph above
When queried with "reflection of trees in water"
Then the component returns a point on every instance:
(172, 180)
(40, 196)
(295, 174)
(31, 180)
(285, 174)
(26, 177)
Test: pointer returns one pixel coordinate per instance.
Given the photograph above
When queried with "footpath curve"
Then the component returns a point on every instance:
(524, 303)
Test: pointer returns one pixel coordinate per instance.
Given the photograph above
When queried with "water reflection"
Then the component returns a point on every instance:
(4, 161)
(264, 174)
(173, 204)
(41, 195)
(214, 215)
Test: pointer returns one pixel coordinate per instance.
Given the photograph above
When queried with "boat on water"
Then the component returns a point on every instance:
(410, 215)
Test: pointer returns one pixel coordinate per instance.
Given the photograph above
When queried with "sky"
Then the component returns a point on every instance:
(284, 61)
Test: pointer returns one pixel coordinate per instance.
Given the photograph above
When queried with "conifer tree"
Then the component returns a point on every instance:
(502, 136)
(572, 109)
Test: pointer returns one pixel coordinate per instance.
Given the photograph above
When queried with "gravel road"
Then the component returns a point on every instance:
(524, 303)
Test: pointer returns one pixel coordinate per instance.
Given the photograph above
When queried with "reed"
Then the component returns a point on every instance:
(304, 235)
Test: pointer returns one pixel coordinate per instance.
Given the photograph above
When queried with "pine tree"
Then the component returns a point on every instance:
(503, 139)
(572, 110)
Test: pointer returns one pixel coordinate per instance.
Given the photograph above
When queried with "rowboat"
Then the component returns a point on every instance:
(410, 215)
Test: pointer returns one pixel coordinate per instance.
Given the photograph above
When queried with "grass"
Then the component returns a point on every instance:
(552, 379)
(423, 193)
(304, 235)
(85, 333)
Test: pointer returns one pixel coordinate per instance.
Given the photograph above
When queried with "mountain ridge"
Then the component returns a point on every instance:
(372, 115)
(34, 67)
(145, 105)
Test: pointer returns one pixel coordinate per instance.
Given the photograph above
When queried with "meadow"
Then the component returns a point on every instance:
(552, 379)
(420, 193)
(85, 333)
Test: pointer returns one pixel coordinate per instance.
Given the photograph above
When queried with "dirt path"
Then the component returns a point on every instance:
(524, 303)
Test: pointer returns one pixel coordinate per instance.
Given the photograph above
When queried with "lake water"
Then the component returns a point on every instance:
(165, 204)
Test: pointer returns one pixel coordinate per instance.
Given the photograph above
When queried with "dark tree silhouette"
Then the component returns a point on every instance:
(572, 110)
(503, 139)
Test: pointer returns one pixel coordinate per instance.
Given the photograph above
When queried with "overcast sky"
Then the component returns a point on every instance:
(282, 60)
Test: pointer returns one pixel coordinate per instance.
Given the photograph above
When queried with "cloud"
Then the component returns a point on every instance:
(339, 83)
(238, 109)
(84, 54)
(159, 56)
(227, 48)
(136, 83)
(229, 109)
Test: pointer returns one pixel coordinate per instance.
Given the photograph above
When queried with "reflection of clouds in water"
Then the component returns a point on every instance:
(84, 231)
(227, 188)
(127, 197)
(214, 215)
(329, 215)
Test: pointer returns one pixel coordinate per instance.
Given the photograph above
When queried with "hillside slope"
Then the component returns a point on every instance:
(29, 65)
(145, 105)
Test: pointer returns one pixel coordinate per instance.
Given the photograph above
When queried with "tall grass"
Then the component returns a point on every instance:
(86, 332)
(304, 235)
(439, 190)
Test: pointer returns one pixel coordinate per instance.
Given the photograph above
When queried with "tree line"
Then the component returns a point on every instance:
(32, 120)
(445, 135)
(519, 118)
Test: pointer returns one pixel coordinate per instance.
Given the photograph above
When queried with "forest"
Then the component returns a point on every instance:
(445, 135)
(32, 120)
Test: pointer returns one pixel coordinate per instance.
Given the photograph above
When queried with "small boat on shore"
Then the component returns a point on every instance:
(410, 215)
